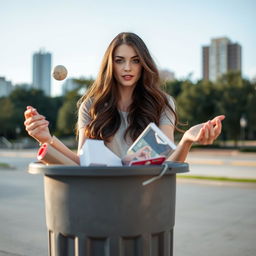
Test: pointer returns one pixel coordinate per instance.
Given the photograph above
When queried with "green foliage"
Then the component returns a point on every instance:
(216, 178)
(250, 112)
(233, 94)
(173, 88)
(84, 81)
(197, 102)
(52, 111)
(5, 166)
(248, 149)
(6, 114)
(13, 107)
(20, 98)
(67, 115)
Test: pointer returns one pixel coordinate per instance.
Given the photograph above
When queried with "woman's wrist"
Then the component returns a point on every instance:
(48, 140)
(185, 142)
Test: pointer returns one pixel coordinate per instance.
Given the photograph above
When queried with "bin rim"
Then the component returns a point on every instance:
(94, 171)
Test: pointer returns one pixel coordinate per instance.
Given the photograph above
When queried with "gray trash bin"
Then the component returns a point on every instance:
(106, 211)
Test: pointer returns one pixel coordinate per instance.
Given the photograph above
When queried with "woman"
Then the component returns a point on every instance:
(123, 100)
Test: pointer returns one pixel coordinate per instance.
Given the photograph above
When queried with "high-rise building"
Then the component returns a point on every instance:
(205, 55)
(6, 87)
(220, 57)
(42, 65)
(166, 75)
(234, 57)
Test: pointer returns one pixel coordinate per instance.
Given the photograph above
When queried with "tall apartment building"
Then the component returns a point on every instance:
(166, 75)
(6, 87)
(42, 65)
(220, 57)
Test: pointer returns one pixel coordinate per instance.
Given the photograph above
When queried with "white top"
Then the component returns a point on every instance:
(118, 144)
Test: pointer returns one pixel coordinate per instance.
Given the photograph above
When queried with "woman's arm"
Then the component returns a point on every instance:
(204, 133)
(181, 152)
(37, 127)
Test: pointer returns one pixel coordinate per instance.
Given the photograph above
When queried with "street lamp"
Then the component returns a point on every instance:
(243, 124)
(17, 131)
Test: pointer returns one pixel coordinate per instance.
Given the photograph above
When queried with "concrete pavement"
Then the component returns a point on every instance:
(214, 219)
(222, 163)
(211, 218)
(221, 157)
(203, 162)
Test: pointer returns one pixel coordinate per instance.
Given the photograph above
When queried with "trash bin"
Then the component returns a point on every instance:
(106, 211)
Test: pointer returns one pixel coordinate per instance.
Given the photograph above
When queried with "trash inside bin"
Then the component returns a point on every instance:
(106, 211)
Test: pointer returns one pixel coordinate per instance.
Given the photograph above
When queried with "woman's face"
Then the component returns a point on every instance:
(127, 66)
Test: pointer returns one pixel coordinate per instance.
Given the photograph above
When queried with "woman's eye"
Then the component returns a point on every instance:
(136, 61)
(118, 61)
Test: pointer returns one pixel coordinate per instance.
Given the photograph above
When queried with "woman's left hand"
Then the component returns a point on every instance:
(142, 154)
(205, 133)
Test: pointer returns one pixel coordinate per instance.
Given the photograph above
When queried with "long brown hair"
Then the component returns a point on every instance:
(148, 100)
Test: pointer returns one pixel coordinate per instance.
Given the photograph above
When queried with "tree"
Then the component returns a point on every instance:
(250, 113)
(197, 102)
(173, 88)
(16, 105)
(67, 115)
(233, 93)
(20, 98)
(83, 84)
(51, 112)
(7, 109)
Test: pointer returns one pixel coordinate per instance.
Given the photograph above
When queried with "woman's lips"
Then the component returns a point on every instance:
(127, 77)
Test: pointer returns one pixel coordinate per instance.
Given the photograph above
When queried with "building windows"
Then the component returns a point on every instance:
(220, 57)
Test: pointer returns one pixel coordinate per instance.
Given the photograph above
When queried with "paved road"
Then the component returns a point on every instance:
(214, 219)
(211, 218)
(22, 219)
(223, 163)
(226, 163)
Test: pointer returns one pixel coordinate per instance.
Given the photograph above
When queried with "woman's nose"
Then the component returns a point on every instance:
(127, 66)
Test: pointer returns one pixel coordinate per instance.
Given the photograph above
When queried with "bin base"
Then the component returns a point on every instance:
(159, 244)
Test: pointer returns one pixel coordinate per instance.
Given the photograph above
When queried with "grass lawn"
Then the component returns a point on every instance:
(5, 166)
(216, 178)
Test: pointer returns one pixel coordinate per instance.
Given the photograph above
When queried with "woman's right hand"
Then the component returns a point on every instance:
(36, 125)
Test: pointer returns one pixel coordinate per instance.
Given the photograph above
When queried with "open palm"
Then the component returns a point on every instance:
(205, 133)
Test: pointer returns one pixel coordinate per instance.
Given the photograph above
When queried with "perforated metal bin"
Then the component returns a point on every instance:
(106, 211)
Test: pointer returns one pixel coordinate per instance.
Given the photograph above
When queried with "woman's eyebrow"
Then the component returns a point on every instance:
(122, 57)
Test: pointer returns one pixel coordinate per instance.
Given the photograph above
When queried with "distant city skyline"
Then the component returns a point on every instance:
(78, 33)
(220, 57)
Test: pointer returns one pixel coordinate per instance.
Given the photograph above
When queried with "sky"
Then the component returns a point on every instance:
(78, 32)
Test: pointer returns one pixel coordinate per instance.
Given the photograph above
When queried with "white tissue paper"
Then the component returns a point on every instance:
(95, 153)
